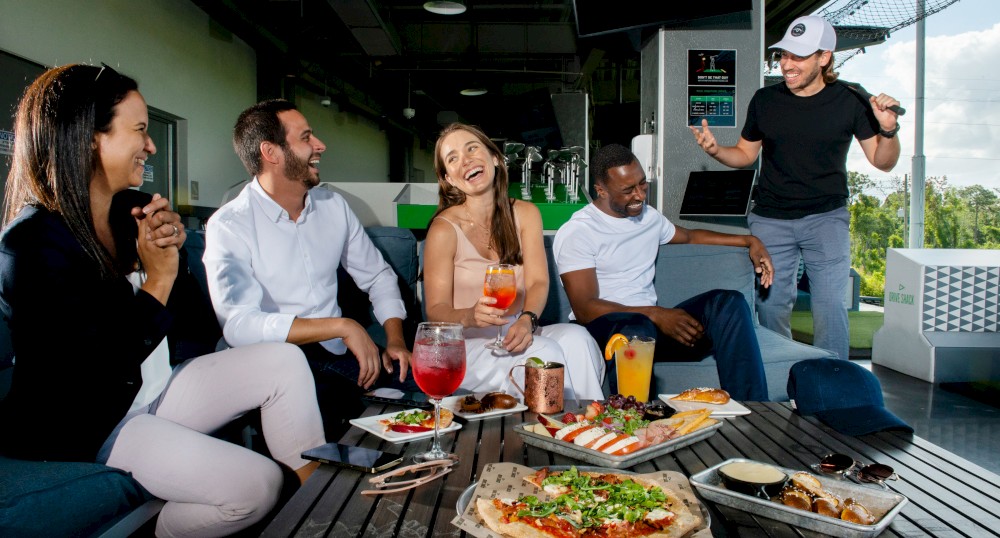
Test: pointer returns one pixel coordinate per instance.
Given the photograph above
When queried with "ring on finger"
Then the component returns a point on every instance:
(177, 231)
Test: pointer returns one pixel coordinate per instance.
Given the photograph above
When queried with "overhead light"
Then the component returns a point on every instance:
(445, 7)
(474, 91)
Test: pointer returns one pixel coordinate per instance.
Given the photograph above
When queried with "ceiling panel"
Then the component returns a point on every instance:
(367, 52)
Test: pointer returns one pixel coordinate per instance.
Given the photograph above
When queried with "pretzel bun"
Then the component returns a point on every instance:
(706, 395)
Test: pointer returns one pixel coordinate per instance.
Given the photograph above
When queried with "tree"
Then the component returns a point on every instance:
(980, 200)
(953, 218)
(856, 185)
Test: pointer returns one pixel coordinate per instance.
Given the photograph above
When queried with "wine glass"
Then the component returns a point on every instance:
(500, 285)
(438, 365)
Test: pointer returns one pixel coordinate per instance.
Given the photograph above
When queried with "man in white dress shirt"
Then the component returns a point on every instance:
(272, 255)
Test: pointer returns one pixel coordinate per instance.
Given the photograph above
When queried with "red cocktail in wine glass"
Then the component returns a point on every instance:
(438, 364)
(501, 285)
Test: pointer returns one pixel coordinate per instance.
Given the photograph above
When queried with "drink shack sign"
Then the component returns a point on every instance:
(899, 296)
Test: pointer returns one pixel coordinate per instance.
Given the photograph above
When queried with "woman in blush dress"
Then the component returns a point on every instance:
(477, 225)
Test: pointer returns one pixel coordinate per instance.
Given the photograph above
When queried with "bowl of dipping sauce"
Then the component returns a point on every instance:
(751, 478)
(656, 411)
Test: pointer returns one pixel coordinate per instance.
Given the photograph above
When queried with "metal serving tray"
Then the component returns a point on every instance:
(882, 503)
(601, 459)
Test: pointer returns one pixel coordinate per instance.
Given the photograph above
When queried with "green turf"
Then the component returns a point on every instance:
(863, 326)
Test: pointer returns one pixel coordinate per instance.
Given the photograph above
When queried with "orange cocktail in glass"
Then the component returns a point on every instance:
(634, 364)
(501, 285)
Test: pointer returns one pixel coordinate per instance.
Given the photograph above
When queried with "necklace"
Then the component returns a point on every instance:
(472, 220)
(489, 245)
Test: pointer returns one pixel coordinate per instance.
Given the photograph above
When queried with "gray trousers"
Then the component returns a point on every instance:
(213, 487)
(824, 243)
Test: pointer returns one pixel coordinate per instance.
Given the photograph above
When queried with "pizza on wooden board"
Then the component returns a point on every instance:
(586, 504)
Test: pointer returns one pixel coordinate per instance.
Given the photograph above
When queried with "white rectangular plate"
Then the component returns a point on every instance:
(455, 404)
(732, 408)
(372, 426)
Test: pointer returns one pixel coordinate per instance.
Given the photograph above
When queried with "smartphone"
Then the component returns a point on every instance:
(398, 397)
(353, 457)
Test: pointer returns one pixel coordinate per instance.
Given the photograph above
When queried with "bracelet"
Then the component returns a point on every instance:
(888, 134)
(531, 316)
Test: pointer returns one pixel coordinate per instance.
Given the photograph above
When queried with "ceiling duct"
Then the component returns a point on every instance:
(363, 20)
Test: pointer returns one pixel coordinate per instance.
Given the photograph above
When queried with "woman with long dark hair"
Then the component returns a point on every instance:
(477, 224)
(87, 281)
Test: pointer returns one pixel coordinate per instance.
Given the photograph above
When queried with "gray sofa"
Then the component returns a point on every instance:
(683, 271)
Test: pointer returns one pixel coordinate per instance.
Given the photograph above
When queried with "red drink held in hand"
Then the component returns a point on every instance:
(438, 369)
(505, 296)
(501, 285)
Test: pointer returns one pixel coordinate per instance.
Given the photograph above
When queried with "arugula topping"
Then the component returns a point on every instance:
(591, 502)
(412, 417)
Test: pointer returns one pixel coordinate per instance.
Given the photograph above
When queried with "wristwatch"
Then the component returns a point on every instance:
(888, 134)
(531, 316)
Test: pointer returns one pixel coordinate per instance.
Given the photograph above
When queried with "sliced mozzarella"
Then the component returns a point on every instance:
(587, 437)
(569, 428)
(573, 434)
(657, 514)
(556, 489)
(605, 444)
(619, 445)
(603, 440)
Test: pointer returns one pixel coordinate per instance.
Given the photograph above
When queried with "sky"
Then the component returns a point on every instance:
(962, 93)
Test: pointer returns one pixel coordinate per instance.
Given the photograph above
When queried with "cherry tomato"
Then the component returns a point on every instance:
(608, 420)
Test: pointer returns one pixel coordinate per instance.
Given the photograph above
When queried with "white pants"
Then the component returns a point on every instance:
(566, 343)
(213, 487)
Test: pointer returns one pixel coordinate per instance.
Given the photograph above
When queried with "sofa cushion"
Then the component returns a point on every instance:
(399, 248)
(681, 272)
(557, 307)
(63, 498)
(778, 354)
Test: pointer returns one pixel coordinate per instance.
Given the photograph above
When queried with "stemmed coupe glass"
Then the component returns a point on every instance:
(500, 285)
(438, 365)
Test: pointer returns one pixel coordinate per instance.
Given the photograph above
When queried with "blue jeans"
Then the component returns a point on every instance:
(824, 242)
(729, 335)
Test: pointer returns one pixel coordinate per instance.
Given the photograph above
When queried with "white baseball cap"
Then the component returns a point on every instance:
(807, 35)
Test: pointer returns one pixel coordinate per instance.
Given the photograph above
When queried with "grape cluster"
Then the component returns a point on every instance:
(621, 402)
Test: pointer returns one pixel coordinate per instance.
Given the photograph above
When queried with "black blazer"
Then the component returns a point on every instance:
(78, 339)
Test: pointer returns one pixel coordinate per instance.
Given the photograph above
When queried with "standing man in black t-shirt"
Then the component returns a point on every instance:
(805, 126)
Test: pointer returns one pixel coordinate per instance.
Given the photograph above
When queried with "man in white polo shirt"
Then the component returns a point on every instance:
(606, 254)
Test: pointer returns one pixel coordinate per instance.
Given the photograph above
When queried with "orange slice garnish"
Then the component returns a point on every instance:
(616, 341)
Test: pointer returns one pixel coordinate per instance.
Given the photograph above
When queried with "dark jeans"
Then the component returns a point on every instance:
(729, 335)
(337, 389)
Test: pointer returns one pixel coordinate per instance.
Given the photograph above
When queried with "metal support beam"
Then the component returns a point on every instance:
(916, 239)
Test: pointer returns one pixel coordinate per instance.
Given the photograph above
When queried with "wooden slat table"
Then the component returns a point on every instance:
(948, 495)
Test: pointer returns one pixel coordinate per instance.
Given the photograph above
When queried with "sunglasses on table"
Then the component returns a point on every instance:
(423, 473)
(842, 464)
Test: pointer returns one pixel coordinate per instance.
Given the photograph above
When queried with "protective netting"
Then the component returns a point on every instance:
(874, 20)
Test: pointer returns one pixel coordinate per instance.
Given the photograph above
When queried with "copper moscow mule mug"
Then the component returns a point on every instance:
(543, 386)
